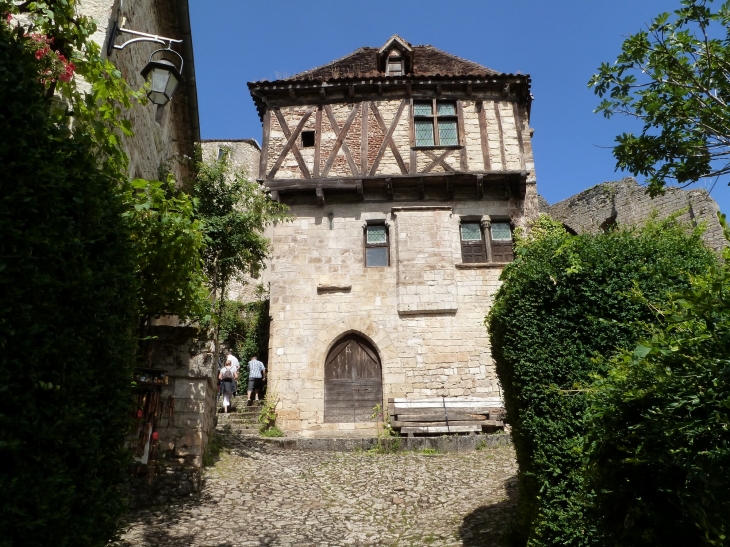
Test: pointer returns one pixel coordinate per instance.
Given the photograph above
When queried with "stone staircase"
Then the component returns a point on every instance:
(242, 422)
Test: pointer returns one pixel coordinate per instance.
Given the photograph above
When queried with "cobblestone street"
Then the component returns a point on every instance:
(261, 495)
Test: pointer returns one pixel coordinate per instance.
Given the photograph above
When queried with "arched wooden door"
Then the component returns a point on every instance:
(352, 381)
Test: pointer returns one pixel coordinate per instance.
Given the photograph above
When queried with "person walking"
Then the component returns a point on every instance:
(228, 377)
(256, 377)
(235, 365)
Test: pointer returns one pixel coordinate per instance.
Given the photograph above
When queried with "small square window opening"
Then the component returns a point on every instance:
(395, 66)
(307, 139)
(222, 153)
(376, 246)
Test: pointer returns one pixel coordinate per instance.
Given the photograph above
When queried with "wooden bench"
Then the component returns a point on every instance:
(445, 415)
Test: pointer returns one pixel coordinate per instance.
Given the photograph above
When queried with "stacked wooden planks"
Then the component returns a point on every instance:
(445, 415)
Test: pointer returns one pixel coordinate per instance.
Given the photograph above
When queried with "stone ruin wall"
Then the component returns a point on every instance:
(155, 148)
(627, 203)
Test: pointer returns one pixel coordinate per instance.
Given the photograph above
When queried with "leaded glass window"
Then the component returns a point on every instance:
(472, 243)
(501, 231)
(376, 246)
(439, 129)
(471, 231)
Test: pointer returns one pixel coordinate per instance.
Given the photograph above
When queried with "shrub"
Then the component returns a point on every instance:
(67, 318)
(659, 428)
(564, 301)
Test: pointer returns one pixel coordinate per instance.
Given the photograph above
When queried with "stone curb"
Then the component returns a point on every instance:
(465, 443)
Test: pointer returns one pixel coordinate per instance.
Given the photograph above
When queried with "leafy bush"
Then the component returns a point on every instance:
(659, 428)
(564, 301)
(67, 318)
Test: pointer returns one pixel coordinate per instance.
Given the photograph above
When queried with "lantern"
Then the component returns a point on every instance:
(164, 78)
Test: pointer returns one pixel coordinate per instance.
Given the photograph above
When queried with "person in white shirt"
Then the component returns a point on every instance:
(235, 365)
(228, 377)
(256, 378)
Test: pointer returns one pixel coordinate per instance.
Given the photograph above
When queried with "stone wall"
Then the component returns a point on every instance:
(626, 203)
(185, 415)
(500, 119)
(163, 141)
(424, 314)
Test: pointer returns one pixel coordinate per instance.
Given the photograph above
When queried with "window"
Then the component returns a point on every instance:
(501, 242)
(395, 66)
(435, 123)
(222, 153)
(307, 139)
(472, 243)
(492, 245)
(376, 246)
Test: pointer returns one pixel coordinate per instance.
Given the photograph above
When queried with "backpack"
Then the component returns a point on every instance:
(227, 374)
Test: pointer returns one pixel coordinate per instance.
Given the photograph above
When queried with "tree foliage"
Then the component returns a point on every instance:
(234, 211)
(658, 441)
(564, 301)
(67, 317)
(168, 241)
(675, 78)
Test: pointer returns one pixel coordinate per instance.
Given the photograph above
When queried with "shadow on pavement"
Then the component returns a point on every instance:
(490, 525)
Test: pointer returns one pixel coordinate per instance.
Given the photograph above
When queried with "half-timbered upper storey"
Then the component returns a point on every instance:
(396, 122)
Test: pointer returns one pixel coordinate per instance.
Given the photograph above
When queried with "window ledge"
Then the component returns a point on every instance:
(453, 147)
(481, 265)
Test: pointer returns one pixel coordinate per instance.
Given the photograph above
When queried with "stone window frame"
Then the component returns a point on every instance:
(434, 117)
(366, 245)
(488, 244)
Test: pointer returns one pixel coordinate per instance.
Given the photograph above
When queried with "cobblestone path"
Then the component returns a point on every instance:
(263, 496)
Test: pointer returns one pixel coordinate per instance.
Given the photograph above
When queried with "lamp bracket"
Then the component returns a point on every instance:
(143, 37)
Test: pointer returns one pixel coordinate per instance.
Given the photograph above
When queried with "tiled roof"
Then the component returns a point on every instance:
(363, 62)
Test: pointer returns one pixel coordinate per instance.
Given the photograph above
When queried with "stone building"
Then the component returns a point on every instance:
(406, 170)
(164, 136)
(626, 203)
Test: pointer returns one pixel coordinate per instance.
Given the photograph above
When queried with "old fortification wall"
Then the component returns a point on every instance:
(626, 203)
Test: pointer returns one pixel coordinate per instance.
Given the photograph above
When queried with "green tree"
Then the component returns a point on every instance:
(234, 212)
(658, 441)
(674, 78)
(565, 301)
(67, 314)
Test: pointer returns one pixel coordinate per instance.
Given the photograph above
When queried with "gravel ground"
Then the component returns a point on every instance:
(263, 496)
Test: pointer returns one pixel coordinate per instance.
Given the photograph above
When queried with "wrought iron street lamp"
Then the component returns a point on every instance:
(162, 74)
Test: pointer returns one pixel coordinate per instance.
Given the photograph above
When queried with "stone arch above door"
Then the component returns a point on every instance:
(363, 326)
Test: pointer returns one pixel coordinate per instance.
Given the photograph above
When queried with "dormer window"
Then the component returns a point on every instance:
(395, 66)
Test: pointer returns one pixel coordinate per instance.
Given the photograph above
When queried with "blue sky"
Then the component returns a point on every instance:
(559, 43)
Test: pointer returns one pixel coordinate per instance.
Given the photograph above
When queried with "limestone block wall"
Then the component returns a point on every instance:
(504, 145)
(321, 290)
(627, 203)
(163, 140)
(244, 154)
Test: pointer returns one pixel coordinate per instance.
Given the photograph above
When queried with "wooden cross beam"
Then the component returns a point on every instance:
(291, 143)
(388, 140)
(340, 142)
(438, 160)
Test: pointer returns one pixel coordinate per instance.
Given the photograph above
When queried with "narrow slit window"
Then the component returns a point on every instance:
(435, 123)
(222, 153)
(376, 246)
(307, 139)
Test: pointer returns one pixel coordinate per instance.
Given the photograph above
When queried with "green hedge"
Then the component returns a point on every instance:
(565, 301)
(67, 316)
(659, 428)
